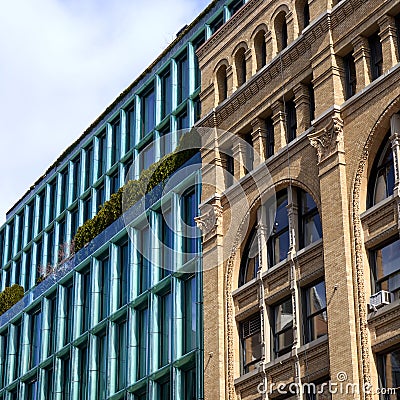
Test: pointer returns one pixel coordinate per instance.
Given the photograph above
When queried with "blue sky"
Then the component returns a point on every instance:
(61, 63)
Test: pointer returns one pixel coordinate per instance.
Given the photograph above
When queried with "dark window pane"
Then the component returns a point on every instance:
(250, 334)
(148, 111)
(376, 56)
(183, 77)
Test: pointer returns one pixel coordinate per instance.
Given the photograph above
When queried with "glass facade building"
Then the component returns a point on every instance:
(110, 323)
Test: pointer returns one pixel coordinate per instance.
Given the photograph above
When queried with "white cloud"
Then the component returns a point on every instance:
(61, 63)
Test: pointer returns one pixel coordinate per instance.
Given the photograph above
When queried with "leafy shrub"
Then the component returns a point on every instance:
(134, 190)
(10, 296)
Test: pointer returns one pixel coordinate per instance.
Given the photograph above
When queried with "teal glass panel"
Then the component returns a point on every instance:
(165, 345)
(190, 314)
(102, 363)
(36, 338)
(104, 285)
(122, 354)
(83, 372)
(116, 141)
(143, 330)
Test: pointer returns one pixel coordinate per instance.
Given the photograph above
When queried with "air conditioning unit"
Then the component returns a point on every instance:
(380, 299)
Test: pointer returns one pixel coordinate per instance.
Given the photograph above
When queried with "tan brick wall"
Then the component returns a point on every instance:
(336, 177)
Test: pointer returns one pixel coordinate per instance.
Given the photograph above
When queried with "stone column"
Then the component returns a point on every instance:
(302, 102)
(278, 119)
(229, 80)
(387, 33)
(239, 157)
(338, 260)
(362, 58)
(210, 222)
(259, 136)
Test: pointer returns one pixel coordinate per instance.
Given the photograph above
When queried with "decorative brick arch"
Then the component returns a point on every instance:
(232, 262)
(378, 131)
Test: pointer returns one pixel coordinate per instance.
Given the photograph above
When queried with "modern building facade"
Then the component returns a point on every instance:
(121, 319)
(301, 286)
(307, 294)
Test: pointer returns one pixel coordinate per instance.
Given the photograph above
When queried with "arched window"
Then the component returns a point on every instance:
(240, 64)
(278, 242)
(281, 31)
(307, 225)
(381, 183)
(250, 263)
(260, 48)
(222, 83)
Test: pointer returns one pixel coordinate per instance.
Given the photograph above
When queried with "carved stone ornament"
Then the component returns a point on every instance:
(328, 139)
(209, 221)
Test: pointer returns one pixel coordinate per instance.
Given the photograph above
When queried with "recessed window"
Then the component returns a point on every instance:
(260, 47)
(197, 43)
(143, 330)
(217, 23)
(104, 287)
(182, 120)
(122, 352)
(102, 359)
(240, 64)
(148, 111)
(102, 156)
(166, 92)
(350, 76)
(10, 243)
(130, 127)
(182, 65)
(250, 260)
(64, 189)
(278, 242)
(189, 229)
(270, 145)
(115, 141)
(381, 183)
(222, 84)
(389, 372)
(375, 46)
(250, 338)
(165, 322)
(190, 313)
(76, 180)
(309, 220)
(283, 327)
(386, 268)
(68, 310)
(306, 14)
(316, 321)
(123, 273)
(36, 338)
(291, 121)
(52, 200)
(235, 6)
(143, 256)
(89, 158)
(83, 371)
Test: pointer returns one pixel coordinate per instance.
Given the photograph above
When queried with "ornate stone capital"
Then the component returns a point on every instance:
(329, 139)
(210, 220)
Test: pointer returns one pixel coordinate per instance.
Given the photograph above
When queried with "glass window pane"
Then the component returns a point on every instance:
(283, 315)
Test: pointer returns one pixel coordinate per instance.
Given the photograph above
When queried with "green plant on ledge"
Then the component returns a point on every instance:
(134, 190)
(10, 296)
